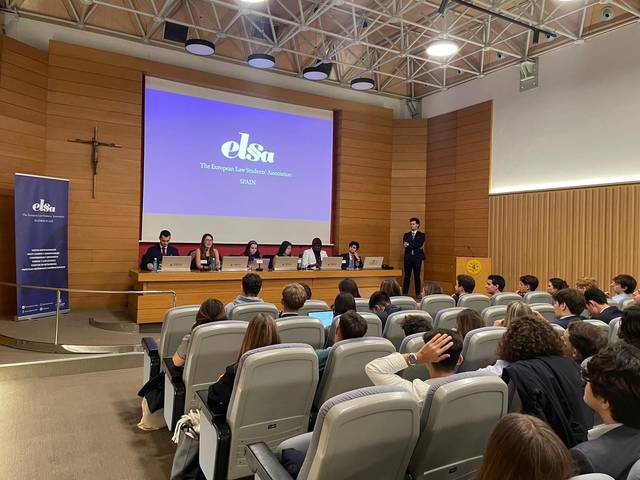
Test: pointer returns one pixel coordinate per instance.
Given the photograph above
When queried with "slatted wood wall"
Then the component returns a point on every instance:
(566, 233)
(23, 95)
(457, 190)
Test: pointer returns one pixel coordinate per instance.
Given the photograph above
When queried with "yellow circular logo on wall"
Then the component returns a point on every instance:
(473, 267)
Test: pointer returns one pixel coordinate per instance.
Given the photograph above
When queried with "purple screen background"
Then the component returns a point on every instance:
(181, 131)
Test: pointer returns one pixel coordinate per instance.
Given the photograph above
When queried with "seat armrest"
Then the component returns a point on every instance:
(173, 372)
(149, 345)
(264, 463)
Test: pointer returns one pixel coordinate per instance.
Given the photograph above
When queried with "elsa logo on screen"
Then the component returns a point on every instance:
(43, 207)
(254, 152)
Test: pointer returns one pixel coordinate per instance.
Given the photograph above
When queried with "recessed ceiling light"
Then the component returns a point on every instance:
(362, 84)
(314, 73)
(261, 60)
(442, 48)
(197, 46)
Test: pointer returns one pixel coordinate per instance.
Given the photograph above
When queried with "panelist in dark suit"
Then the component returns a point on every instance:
(158, 251)
(413, 242)
(352, 259)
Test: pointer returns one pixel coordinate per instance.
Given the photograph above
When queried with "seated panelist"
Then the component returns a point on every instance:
(158, 251)
(352, 259)
(252, 252)
(312, 257)
(285, 249)
(206, 257)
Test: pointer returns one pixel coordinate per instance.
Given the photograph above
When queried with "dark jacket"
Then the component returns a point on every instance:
(614, 453)
(415, 248)
(564, 322)
(388, 310)
(219, 393)
(357, 263)
(551, 388)
(154, 251)
(608, 314)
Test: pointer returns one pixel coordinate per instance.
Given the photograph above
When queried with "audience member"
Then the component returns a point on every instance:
(161, 249)
(293, 298)
(430, 288)
(636, 297)
(523, 447)
(252, 252)
(514, 310)
(613, 391)
(307, 289)
(284, 250)
(468, 320)
(568, 304)
(352, 259)
(348, 285)
(251, 286)
(442, 353)
(464, 284)
(598, 307)
(630, 326)
(554, 284)
(380, 304)
(414, 324)
(623, 286)
(391, 287)
(586, 282)
(527, 283)
(350, 325)
(343, 303)
(495, 285)
(206, 257)
(583, 340)
(313, 257)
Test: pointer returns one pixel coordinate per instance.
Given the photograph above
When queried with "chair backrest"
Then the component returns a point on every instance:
(461, 410)
(447, 318)
(480, 348)
(412, 344)
(558, 328)
(595, 476)
(626, 304)
(313, 306)
(213, 347)
(393, 327)
(634, 474)
(604, 327)
(432, 304)
(382, 423)
(538, 297)
(374, 324)
(493, 313)
(176, 324)
(404, 302)
(271, 401)
(474, 301)
(301, 330)
(246, 311)
(613, 303)
(545, 310)
(614, 329)
(362, 305)
(344, 370)
(505, 298)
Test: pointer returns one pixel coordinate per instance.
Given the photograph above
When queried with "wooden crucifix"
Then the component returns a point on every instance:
(95, 144)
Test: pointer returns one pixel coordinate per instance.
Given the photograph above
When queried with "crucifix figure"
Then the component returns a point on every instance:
(95, 144)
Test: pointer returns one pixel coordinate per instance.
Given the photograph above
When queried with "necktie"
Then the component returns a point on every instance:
(164, 250)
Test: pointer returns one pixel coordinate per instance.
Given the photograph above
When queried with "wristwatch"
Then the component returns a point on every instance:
(412, 359)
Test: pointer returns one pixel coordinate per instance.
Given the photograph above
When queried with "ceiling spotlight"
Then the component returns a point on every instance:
(261, 60)
(362, 83)
(442, 48)
(197, 46)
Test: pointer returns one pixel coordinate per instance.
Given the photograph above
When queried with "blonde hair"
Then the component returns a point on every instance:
(586, 282)
(516, 310)
(261, 332)
(293, 296)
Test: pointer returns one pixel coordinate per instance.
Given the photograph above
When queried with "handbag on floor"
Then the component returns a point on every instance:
(186, 465)
(151, 421)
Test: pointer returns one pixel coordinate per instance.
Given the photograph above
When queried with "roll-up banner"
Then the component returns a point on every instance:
(41, 219)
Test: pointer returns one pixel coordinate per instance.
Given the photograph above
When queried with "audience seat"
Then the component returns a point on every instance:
(480, 348)
(474, 301)
(413, 344)
(213, 347)
(614, 328)
(363, 434)
(313, 306)
(344, 370)
(604, 327)
(374, 327)
(459, 414)
(301, 330)
(176, 324)
(558, 328)
(393, 327)
(545, 310)
(447, 318)
(432, 304)
(594, 476)
(505, 298)
(404, 302)
(626, 304)
(362, 305)
(493, 313)
(271, 401)
(612, 303)
(634, 474)
(538, 297)
(246, 311)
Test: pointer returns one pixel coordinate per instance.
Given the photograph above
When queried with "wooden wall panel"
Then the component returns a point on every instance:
(566, 233)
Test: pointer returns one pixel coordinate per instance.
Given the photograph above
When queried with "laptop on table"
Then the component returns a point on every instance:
(332, 263)
(235, 264)
(176, 264)
(285, 264)
(371, 263)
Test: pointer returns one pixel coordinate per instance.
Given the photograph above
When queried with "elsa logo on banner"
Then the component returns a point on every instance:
(43, 207)
(254, 152)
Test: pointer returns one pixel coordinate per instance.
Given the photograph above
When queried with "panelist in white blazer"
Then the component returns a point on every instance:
(312, 257)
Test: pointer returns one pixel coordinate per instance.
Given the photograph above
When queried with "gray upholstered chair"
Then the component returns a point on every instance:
(362, 305)
(313, 306)
(634, 474)
(404, 302)
(412, 344)
(612, 303)
(301, 330)
(393, 327)
(374, 327)
(538, 297)
(626, 304)
(432, 304)
(458, 416)
(363, 434)
(614, 329)
(271, 402)
(594, 476)
(480, 348)
(493, 313)
(447, 318)
(505, 298)
(604, 327)
(212, 348)
(246, 311)
(474, 301)
(545, 310)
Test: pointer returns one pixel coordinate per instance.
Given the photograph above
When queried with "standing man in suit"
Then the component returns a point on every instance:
(158, 251)
(413, 242)
(352, 259)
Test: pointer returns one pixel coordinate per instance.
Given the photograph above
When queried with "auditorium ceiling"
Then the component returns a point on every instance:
(384, 40)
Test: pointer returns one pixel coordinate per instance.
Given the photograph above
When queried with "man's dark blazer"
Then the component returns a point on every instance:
(608, 314)
(356, 263)
(564, 323)
(154, 251)
(415, 245)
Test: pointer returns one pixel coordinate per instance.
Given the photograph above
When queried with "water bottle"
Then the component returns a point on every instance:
(213, 264)
(155, 264)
